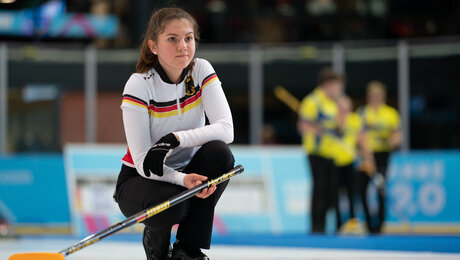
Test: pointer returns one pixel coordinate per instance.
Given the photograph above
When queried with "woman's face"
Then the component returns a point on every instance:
(376, 97)
(175, 46)
(333, 89)
(344, 105)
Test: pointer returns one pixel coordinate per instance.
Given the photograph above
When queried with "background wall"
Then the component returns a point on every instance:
(271, 197)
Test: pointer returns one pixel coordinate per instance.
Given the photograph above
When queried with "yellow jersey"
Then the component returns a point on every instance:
(319, 109)
(346, 143)
(379, 124)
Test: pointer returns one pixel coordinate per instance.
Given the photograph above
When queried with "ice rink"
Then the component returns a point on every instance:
(132, 250)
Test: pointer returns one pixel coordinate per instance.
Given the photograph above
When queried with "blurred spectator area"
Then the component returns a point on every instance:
(275, 21)
(46, 86)
(226, 21)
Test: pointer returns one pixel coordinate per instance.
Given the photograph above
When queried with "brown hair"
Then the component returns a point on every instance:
(156, 26)
(328, 74)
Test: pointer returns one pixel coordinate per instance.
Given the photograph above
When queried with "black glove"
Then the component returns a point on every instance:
(155, 157)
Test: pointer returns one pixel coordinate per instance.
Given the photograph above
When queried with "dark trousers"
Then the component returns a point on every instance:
(324, 190)
(374, 222)
(346, 180)
(195, 215)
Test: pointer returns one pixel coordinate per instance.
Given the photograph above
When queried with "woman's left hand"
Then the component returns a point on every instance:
(192, 179)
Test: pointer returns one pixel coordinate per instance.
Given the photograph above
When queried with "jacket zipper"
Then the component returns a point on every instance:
(179, 115)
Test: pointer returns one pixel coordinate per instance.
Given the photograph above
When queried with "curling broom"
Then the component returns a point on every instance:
(137, 218)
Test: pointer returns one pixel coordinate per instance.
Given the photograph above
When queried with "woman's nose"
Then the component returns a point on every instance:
(182, 45)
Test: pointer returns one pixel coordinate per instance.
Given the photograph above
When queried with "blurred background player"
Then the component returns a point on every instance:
(317, 121)
(382, 126)
(170, 148)
(350, 136)
(348, 128)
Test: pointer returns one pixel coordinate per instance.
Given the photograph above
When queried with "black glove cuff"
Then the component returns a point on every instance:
(169, 139)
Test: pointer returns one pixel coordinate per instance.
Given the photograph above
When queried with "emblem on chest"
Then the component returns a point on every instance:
(190, 88)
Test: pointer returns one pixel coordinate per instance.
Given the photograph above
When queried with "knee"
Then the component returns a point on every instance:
(220, 154)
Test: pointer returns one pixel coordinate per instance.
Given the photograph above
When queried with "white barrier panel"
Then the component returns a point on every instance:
(273, 195)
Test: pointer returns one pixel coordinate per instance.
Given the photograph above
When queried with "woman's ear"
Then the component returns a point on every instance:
(152, 47)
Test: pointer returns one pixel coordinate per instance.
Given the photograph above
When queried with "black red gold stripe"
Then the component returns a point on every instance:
(212, 77)
(168, 108)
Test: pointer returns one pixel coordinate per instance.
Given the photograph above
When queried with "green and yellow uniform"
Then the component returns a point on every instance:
(319, 109)
(379, 124)
(346, 143)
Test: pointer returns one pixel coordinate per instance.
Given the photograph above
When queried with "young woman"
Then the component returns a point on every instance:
(382, 126)
(317, 120)
(169, 146)
(350, 144)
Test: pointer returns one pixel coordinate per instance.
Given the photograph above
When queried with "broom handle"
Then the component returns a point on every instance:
(145, 214)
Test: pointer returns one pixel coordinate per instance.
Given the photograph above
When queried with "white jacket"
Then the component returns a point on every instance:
(153, 106)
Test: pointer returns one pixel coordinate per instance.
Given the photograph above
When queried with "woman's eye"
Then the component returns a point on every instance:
(172, 39)
(189, 38)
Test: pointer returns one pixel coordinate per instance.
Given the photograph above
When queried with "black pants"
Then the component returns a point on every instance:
(346, 179)
(194, 216)
(324, 190)
(374, 222)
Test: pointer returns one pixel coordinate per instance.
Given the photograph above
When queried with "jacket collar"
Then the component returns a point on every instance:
(165, 77)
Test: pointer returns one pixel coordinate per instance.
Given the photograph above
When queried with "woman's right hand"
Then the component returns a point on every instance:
(192, 180)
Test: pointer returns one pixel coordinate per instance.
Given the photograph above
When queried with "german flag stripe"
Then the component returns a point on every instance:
(172, 102)
(134, 101)
(186, 106)
(212, 77)
(208, 77)
(135, 98)
(163, 115)
(169, 108)
(192, 105)
(184, 101)
(163, 104)
(162, 109)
